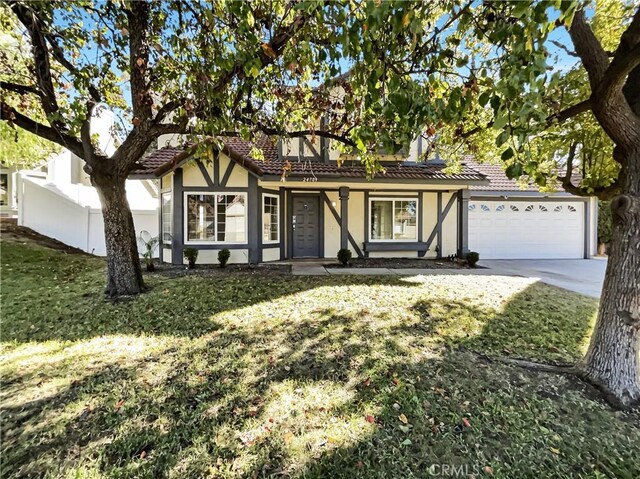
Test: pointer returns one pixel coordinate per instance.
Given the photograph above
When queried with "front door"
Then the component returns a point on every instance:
(306, 226)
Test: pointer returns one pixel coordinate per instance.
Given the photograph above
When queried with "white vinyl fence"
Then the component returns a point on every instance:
(47, 209)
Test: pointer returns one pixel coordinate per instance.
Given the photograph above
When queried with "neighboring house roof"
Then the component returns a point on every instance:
(166, 159)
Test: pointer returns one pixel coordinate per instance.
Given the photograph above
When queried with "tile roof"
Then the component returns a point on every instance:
(498, 180)
(165, 159)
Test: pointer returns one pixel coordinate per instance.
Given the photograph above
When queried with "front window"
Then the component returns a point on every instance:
(166, 218)
(270, 226)
(394, 220)
(216, 218)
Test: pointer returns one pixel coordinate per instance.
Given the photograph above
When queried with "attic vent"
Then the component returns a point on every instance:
(529, 208)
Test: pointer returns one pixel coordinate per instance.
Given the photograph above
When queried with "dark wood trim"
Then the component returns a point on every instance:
(463, 222)
(344, 217)
(216, 246)
(289, 215)
(254, 238)
(366, 220)
(338, 219)
(160, 232)
(227, 172)
(314, 152)
(414, 181)
(439, 219)
(216, 167)
(282, 213)
(177, 228)
(439, 227)
(420, 221)
(396, 246)
(216, 189)
(205, 173)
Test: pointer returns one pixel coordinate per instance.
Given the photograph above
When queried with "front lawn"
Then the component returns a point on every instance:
(280, 376)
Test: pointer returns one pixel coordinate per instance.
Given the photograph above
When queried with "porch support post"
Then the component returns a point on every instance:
(463, 223)
(160, 232)
(439, 226)
(366, 221)
(253, 213)
(177, 241)
(344, 217)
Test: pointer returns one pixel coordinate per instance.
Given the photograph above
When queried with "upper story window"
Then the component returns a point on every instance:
(393, 219)
(270, 218)
(216, 218)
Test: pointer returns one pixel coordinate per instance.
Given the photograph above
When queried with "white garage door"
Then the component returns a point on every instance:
(526, 230)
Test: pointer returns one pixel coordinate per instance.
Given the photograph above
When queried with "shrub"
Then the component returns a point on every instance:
(149, 244)
(604, 222)
(344, 256)
(223, 257)
(472, 258)
(191, 255)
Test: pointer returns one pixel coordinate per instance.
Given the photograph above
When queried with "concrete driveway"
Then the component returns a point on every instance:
(580, 275)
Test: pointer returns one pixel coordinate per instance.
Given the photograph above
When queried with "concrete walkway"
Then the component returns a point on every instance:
(579, 275)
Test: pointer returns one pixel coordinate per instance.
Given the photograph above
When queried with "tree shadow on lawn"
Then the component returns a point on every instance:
(345, 390)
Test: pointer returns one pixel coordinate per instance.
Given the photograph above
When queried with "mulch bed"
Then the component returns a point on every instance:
(397, 263)
(177, 271)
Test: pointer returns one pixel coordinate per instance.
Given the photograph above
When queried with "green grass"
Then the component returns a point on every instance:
(250, 376)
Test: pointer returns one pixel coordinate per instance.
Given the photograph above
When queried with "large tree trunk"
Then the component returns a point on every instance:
(612, 361)
(124, 274)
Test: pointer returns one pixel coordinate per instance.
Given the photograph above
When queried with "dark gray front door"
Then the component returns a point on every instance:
(306, 226)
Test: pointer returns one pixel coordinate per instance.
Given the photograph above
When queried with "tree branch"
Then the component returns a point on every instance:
(20, 89)
(570, 112)
(40, 53)
(12, 116)
(593, 56)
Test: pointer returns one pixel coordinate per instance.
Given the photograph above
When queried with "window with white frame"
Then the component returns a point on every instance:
(216, 217)
(270, 222)
(393, 219)
(166, 212)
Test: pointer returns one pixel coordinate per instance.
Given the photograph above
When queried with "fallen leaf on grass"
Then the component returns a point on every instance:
(403, 419)
(370, 419)
(554, 450)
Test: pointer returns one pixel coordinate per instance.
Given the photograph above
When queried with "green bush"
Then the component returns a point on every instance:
(472, 258)
(191, 255)
(223, 257)
(344, 256)
(605, 228)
